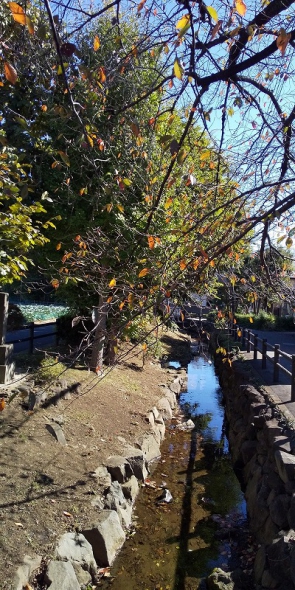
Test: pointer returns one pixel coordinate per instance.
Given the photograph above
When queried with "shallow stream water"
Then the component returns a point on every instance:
(174, 546)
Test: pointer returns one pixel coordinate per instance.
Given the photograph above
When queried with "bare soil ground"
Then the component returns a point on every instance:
(46, 488)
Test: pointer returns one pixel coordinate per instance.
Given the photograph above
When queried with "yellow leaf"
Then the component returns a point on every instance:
(283, 40)
(212, 263)
(178, 69)
(239, 333)
(30, 25)
(151, 242)
(144, 346)
(112, 283)
(96, 43)
(65, 158)
(241, 7)
(205, 155)
(109, 207)
(212, 13)
(251, 320)
(89, 140)
(10, 73)
(181, 156)
(143, 272)
(183, 21)
(58, 247)
(18, 13)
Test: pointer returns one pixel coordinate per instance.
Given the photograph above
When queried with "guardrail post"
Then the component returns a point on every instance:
(276, 361)
(255, 347)
(248, 341)
(31, 341)
(264, 352)
(293, 379)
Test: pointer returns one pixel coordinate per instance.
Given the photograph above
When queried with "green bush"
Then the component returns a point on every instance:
(50, 369)
(262, 321)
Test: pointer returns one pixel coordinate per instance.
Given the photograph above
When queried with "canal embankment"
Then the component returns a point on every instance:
(262, 443)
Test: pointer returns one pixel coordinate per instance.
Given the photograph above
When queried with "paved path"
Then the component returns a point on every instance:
(281, 391)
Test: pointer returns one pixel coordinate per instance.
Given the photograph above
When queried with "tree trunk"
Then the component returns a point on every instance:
(100, 318)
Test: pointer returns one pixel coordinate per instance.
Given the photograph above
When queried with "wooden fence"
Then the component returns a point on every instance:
(32, 327)
(269, 352)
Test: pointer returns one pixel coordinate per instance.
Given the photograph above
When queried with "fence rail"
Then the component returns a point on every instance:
(269, 352)
(32, 327)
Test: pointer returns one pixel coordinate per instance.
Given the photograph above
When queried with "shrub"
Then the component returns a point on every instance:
(50, 370)
(15, 317)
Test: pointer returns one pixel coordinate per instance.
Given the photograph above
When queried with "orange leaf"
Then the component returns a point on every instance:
(143, 272)
(182, 265)
(18, 13)
(151, 241)
(77, 238)
(216, 29)
(135, 129)
(10, 73)
(96, 43)
(144, 346)
(239, 333)
(141, 5)
(241, 7)
(283, 40)
(58, 247)
(2, 404)
(55, 283)
(102, 74)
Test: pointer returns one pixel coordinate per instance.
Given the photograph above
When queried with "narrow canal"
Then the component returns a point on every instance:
(175, 545)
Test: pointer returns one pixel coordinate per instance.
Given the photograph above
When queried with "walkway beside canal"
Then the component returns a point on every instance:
(280, 392)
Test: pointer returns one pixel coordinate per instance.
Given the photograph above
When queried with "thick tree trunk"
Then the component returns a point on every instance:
(100, 312)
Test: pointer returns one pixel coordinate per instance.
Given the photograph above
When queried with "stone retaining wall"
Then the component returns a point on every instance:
(80, 556)
(262, 443)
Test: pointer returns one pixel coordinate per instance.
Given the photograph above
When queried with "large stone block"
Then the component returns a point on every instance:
(75, 547)
(61, 575)
(106, 537)
(286, 466)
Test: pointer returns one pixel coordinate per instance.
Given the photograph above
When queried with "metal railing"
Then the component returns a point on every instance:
(33, 336)
(252, 342)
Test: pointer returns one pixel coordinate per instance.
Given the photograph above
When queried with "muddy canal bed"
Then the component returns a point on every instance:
(175, 545)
